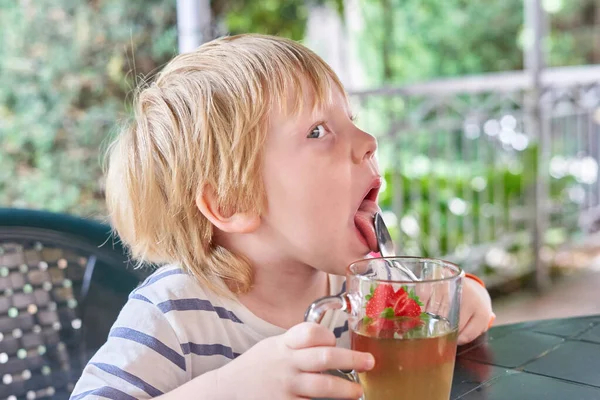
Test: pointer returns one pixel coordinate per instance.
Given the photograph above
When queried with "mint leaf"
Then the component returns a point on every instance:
(367, 320)
(414, 296)
(425, 317)
(371, 294)
(387, 313)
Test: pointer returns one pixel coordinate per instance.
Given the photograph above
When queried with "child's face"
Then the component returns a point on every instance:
(319, 170)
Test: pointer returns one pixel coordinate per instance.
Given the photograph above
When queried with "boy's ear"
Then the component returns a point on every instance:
(206, 201)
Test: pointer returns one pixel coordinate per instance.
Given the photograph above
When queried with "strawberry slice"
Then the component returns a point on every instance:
(406, 305)
(389, 311)
(381, 298)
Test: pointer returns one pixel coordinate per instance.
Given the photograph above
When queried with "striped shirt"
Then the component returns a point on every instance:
(172, 330)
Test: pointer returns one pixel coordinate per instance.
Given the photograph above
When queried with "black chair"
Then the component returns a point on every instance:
(63, 281)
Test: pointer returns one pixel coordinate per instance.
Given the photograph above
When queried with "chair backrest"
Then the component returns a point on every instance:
(63, 281)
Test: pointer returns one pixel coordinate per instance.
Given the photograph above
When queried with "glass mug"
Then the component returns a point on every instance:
(411, 328)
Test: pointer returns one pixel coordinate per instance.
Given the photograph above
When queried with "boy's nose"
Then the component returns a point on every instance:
(364, 147)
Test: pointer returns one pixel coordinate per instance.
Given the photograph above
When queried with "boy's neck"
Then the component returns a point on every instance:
(280, 295)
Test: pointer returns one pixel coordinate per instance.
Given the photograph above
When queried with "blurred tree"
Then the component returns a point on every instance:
(412, 40)
(65, 70)
(282, 18)
(274, 17)
(574, 32)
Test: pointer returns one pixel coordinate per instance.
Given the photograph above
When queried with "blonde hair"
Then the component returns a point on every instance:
(203, 121)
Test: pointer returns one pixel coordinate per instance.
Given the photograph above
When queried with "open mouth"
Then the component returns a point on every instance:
(363, 219)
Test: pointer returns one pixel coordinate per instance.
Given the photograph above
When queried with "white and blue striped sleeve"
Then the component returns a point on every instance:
(142, 358)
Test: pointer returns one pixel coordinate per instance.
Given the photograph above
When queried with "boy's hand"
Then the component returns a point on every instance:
(288, 367)
(475, 311)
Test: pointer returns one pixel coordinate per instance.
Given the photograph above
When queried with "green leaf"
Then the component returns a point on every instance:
(371, 294)
(414, 296)
(388, 313)
(367, 320)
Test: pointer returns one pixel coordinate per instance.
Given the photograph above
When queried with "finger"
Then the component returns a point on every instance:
(436, 298)
(312, 385)
(474, 328)
(318, 359)
(492, 319)
(444, 303)
(308, 334)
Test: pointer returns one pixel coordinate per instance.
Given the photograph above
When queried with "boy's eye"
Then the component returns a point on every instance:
(317, 132)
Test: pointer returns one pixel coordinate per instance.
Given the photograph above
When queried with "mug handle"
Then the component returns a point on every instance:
(316, 311)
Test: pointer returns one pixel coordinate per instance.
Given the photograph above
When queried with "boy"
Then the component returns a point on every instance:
(244, 173)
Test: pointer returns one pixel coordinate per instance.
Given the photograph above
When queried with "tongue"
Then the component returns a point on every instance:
(364, 222)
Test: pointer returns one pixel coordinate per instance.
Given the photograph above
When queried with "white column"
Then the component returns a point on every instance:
(334, 41)
(193, 24)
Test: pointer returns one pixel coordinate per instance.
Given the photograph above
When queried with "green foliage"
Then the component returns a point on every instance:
(573, 37)
(66, 69)
(414, 40)
(427, 197)
(283, 18)
(411, 40)
(67, 73)
(274, 17)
